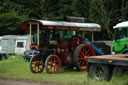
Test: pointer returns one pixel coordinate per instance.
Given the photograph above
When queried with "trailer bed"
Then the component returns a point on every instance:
(123, 57)
(116, 59)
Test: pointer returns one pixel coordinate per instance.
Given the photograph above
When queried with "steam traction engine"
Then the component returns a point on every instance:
(58, 45)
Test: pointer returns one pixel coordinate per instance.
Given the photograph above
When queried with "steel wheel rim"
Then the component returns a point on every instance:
(85, 52)
(37, 65)
(53, 64)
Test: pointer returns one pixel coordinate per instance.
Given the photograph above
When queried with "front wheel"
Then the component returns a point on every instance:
(36, 64)
(97, 71)
(3, 56)
(52, 64)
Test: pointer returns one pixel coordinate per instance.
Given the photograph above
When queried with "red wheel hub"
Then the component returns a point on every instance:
(36, 64)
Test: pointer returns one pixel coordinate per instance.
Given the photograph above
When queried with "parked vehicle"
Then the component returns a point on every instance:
(120, 42)
(3, 55)
(58, 44)
(107, 65)
(28, 54)
(103, 67)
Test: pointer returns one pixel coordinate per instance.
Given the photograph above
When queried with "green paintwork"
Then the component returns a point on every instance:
(120, 44)
(69, 35)
(122, 27)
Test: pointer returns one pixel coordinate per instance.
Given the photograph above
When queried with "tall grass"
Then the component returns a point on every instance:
(18, 68)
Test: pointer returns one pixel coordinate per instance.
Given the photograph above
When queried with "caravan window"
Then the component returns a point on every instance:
(20, 44)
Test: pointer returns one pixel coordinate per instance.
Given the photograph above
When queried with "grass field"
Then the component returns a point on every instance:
(18, 68)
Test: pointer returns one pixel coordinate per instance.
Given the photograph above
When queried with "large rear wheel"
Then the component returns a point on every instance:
(80, 56)
(52, 64)
(36, 64)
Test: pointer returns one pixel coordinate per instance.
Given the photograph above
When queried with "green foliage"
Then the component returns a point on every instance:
(65, 8)
(11, 22)
(107, 13)
(17, 68)
(80, 8)
(52, 9)
(124, 10)
(58, 9)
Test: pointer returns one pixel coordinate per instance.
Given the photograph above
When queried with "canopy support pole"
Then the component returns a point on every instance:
(38, 32)
(92, 36)
(30, 32)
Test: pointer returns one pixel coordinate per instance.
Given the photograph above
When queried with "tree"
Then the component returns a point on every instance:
(65, 8)
(11, 17)
(11, 23)
(33, 8)
(124, 9)
(57, 9)
(52, 9)
(14, 12)
(104, 12)
(80, 8)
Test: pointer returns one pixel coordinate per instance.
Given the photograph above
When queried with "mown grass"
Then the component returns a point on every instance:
(18, 68)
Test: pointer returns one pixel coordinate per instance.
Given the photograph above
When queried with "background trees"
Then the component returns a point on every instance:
(107, 13)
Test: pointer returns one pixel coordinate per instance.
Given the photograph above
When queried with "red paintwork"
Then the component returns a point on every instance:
(59, 28)
(64, 49)
(61, 25)
(53, 64)
(75, 41)
(85, 52)
(63, 52)
(25, 26)
(64, 44)
(66, 58)
(37, 47)
(37, 66)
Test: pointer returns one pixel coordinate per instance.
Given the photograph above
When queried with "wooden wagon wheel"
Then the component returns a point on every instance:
(52, 64)
(80, 56)
(36, 64)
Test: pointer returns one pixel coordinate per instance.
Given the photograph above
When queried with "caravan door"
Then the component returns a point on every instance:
(20, 46)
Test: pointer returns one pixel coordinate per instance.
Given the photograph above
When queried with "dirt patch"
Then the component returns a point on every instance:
(20, 82)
